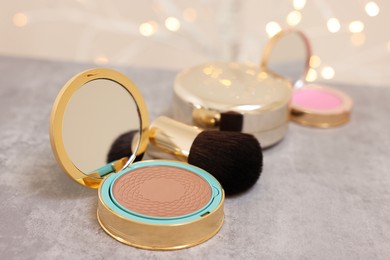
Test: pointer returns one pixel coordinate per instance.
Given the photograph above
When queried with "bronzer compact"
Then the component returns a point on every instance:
(287, 55)
(156, 204)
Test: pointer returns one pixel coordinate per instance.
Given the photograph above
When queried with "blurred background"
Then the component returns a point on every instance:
(350, 39)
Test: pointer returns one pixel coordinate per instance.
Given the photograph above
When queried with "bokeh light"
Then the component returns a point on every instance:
(311, 75)
(356, 27)
(327, 72)
(358, 39)
(190, 14)
(172, 24)
(272, 28)
(101, 59)
(388, 46)
(315, 61)
(333, 25)
(148, 28)
(20, 19)
(372, 9)
(293, 18)
(299, 4)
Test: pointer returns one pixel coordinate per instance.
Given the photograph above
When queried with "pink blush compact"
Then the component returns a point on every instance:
(320, 106)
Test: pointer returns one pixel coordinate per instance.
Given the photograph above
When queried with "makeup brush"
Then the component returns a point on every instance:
(121, 147)
(234, 159)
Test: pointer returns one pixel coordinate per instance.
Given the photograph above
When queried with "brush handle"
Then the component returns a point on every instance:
(170, 139)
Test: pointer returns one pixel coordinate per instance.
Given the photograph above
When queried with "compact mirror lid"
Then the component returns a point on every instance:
(91, 111)
(287, 54)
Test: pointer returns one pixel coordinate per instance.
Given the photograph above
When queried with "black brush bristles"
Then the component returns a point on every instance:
(231, 121)
(234, 159)
(121, 147)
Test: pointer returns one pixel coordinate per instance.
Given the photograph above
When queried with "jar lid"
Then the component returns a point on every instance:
(231, 86)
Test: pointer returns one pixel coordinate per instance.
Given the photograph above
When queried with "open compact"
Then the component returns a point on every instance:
(287, 55)
(155, 204)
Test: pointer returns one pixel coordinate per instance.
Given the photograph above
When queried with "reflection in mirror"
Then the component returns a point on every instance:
(288, 54)
(120, 146)
(95, 116)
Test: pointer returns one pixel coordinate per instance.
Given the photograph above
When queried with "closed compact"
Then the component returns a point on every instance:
(152, 204)
(232, 96)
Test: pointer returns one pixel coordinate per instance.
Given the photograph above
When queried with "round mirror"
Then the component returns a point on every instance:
(93, 111)
(287, 55)
(96, 114)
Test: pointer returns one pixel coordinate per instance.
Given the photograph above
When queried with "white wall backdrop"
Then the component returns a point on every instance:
(351, 38)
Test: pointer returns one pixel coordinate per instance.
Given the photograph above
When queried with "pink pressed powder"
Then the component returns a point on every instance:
(319, 99)
(320, 106)
(162, 191)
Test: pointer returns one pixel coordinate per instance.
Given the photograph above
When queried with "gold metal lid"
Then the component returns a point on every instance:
(320, 106)
(92, 109)
(287, 55)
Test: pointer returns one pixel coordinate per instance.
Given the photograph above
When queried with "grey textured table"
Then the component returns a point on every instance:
(323, 194)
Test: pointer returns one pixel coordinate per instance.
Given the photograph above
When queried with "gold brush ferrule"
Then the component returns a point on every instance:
(207, 118)
(170, 139)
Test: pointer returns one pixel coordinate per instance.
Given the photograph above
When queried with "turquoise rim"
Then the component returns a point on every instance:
(216, 197)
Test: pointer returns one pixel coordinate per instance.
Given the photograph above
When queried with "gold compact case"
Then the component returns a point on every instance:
(232, 96)
(320, 106)
(287, 54)
(152, 204)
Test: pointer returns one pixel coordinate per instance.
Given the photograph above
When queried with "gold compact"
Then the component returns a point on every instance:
(155, 204)
(320, 106)
(288, 54)
(232, 96)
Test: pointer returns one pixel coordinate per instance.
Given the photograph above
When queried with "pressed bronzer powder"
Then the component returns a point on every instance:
(161, 191)
(320, 106)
